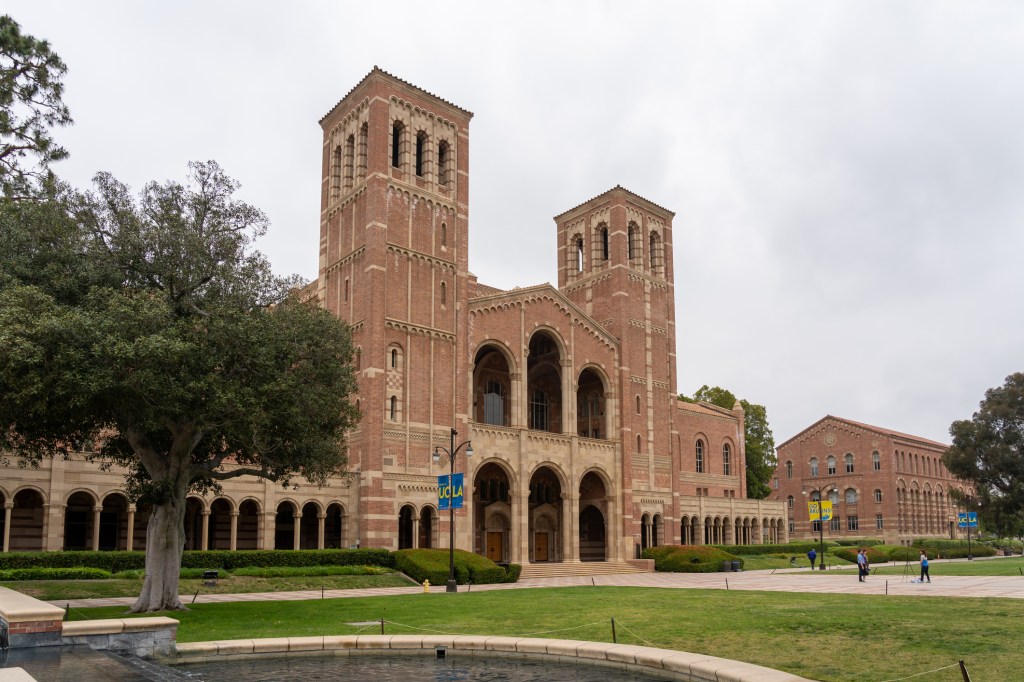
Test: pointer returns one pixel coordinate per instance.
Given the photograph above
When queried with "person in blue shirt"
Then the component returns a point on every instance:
(924, 567)
(812, 555)
(862, 565)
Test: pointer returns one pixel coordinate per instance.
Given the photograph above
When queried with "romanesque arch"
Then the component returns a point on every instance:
(250, 521)
(492, 385)
(591, 414)
(405, 532)
(285, 525)
(492, 510)
(334, 526)
(595, 509)
(309, 526)
(545, 514)
(544, 382)
(79, 533)
(220, 523)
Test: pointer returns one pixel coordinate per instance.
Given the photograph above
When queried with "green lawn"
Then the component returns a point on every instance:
(826, 637)
(1003, 566)
(52, 590)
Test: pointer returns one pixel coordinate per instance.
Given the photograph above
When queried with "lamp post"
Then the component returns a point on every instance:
(451, 452)
(831, 488)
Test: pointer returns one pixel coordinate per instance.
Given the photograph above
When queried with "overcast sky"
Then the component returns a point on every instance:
(847, 177)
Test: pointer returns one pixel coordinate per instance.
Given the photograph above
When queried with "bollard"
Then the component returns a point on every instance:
(426, 587)
(614, 641)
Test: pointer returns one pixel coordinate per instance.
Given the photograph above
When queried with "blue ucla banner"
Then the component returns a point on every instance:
(449, 496)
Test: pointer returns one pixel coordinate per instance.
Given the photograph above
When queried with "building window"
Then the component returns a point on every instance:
(638, 444)
(579, 254)
(444, 235)
(878, 495)
(851, 496)
(396, 144)
(421, 153)
(604, 243)
(700, 457)
(876, 461)
(444, 294)
(725, 459)
(789, 470)
(836, 524)
(851, 522)
(833, 496)
(815, 526)
(539, 411)
(363, 135)
(814, 466)
(350, 161)
(630, 239)
(879, 525)
(775, 483)
(789, 501)
(494, 403)
(442, 164)
(394, 408)
(638, 404)
(394, 358)
(792, 527)
(346, 290)
(849, 463)
(655, 254)
(831, 465)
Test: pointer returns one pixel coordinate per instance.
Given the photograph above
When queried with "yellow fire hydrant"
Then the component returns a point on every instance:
(426, 587)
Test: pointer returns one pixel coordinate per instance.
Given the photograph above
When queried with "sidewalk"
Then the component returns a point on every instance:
(780, 580)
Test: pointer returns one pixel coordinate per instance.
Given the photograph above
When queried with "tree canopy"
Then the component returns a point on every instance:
(988, 452)
(31, 103)
(150, 327)
(759, 443)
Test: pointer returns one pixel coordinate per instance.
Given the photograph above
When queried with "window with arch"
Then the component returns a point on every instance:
(577, 253)
(833, 496)
(851, 496)
(878, 495)
(393, 408)
(630, 241)
(831, 465)
(397, 129)
(421, 154)
(359, 358)
(444, 235)
(394, 358)
(789, 501)
(876, 461)
(336, 163)
(539, 410)
(726, 453)
(494, 403)
(789, 469)
(603, 236)
(346, 290)
(814, 466)
(639, 444)
(444, 294)
(638, 404)
(443, 172)
(350, 161)
(700, 456)
(849, 463)
(655, 253)
(363, 136)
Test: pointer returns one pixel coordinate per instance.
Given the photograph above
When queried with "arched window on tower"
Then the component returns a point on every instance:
(631, 240)
(394, 408)
(578, 256)
(444, 294)
(814, 466)
(361, 162)
(726, 464)
(443, 160)
(604, 242)
(699, 468)
(421, 154)
(336, 163)
(396, 144)
(444, 236)
(639, 446)
(655, 253)
(350, 161)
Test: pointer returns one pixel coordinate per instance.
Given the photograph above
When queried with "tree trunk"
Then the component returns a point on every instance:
(165, 541)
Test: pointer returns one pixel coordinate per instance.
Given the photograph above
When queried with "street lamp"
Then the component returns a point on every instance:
(830, 488)
(452, 451)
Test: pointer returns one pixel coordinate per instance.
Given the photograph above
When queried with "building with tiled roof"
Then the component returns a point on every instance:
(883, 483)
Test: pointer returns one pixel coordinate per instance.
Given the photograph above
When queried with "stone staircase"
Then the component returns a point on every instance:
(584, 568)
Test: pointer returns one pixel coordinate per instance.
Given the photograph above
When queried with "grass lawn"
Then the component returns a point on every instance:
(1001, 566)
(52, 590)
(821, 636)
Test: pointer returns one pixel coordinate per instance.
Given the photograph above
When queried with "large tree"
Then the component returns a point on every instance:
(988, 452)
(759, 443)
(152, 328)
(31, 103)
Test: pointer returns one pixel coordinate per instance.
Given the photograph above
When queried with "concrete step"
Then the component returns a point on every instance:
(582, 568)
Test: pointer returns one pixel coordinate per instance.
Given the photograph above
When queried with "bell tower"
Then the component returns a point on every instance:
(394, 206)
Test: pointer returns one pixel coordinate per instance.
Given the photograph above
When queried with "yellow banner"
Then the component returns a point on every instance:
(826, 510)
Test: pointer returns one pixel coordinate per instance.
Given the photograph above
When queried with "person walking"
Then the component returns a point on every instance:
(924, 567)
(862, 565)
(812, 555)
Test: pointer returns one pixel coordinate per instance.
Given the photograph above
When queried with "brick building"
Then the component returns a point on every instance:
(581, 450)
(882, 483)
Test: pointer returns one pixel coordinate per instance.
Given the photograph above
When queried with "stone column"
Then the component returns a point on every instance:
(204, 543)
(96, 527)
(130, 535)
(8, 506)
(234, 529)
(522, 527)
(268, 527)
(296, 529)
(568, 398)
(415, 532)
(321, 519)
(566, 553)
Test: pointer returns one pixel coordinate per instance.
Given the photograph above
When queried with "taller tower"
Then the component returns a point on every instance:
(394, 265)
(615, 262)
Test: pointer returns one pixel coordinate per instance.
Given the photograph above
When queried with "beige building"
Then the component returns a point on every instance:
(581, 449)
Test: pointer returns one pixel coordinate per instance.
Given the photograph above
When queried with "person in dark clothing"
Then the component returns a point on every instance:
(812, 555)
(924, 567)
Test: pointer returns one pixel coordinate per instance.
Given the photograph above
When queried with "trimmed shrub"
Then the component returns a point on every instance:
(54, 574)
(108, 561)
(852, 542)
(802, 547)
(952, 549)
(875, 555)
(115, 562)
(688, 558)
(432, 565)
(512, 573)
(300, 571)
(901, 553)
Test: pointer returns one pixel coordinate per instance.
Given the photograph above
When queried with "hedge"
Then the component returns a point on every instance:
(802, 547)
(952, 549)
(303, 571)
(115, 562)
(853, 542)
(76, 573)
(432, 565)
(875, 555)
(689, 558)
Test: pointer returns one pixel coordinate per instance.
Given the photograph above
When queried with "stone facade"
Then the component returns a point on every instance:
(581, 449)
(887, 484)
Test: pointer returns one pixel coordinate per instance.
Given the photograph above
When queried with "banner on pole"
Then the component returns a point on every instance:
(449, 494)
(822, 514)
(967, 519)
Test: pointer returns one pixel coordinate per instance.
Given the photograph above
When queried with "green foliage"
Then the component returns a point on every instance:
(952, 549)
(802, 547)
(31, 104)
(688, 558)
(512, 573)
(293, 571)
(853, 542)
(54, 574)
(988, 452)
(875, 555)
(118, 562)
(900, 552)
(432, 565)
(1006, 544)
(759, 442)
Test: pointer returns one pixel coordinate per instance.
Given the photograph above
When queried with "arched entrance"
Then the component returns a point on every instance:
(284, 526)
(220, 524)
(309, 526)
(193, 523)
(645, 531)
(545, 516)
(78, 530)
(114, 523)
(492, 387)
(27, 522)
(544, 384)
(594, 510)
(334, 525)
(590, 408)
(405, 515)
(492, 511)
(427, 526)
(248, 534)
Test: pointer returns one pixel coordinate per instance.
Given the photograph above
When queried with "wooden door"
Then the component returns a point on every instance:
(540, 546)
(494, 543)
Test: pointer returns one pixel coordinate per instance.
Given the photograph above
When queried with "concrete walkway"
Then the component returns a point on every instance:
(781, 580)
